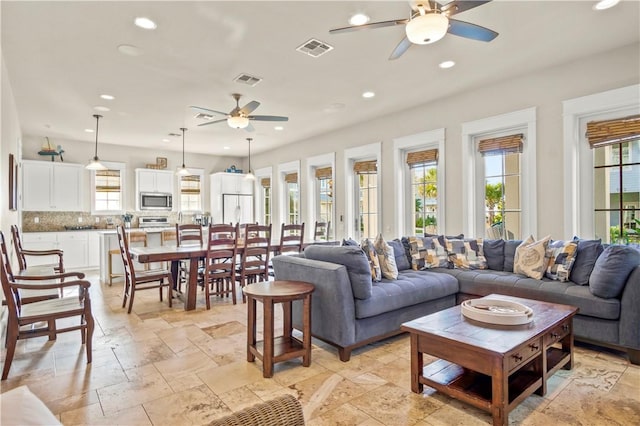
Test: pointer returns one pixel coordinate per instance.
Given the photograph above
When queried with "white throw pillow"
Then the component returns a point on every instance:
(531, 257)
(387, 258)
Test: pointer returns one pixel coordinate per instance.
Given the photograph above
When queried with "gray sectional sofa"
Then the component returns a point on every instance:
(350, 311)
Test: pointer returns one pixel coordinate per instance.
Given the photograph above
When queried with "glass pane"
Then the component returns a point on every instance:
(601, 188)
(512, 226)
(512, 192)
(607, 227)
(512, 163)
(493, 165)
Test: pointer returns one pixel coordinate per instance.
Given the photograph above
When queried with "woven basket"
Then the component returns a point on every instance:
(284, 410)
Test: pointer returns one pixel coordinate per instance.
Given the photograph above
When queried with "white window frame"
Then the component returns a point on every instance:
(352, 155)
(260, 174)
(283, 196)
(111, 165)
(522, 121)
(192, 172)
(578, 157)
(313, 208)
(433, 139)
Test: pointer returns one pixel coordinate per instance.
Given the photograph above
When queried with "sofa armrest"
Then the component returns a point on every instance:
(332, 302)
(629, 312)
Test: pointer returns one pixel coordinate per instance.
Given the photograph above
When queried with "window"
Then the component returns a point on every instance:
(616, 189)
(423, 166)
(324, 177)
(108, 189)
(191, 192)
(293, 198)
(265, 184)
(501, 159)
(499, 175)
(367, 181)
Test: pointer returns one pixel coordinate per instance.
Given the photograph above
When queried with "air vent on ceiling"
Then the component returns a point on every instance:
(203, 116)
(247, 79)
(314, 48)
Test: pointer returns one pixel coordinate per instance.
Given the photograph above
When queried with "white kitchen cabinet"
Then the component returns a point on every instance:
(40, 241)
(74, 245)
(231, 198)
(48, 186)
(151, 180)
(93, 250)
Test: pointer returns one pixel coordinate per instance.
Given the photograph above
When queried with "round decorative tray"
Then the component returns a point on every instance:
(496, 311)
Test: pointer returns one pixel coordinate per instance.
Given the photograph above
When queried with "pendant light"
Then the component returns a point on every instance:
(250, 174)
(95, 164)
(183, 171)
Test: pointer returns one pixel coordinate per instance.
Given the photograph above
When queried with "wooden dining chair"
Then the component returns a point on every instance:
(25, 319)
(219, 272)
(291, 238)
(140, 280)
(187, 234)
(22, 254)
(321, 231)
(254, 261)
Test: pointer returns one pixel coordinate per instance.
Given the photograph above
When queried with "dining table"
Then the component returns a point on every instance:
(193, 253)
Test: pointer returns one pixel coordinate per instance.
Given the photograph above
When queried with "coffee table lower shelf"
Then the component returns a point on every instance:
(475, 388)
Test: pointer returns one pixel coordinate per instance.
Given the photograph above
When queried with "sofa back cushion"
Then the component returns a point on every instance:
(402, 263)
(586, 256)
(510, 247)
(612, 269)
(494, 253)
(353, 258)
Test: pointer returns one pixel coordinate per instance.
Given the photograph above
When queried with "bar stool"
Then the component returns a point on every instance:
(132, 237)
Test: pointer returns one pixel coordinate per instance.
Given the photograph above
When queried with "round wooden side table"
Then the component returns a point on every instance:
(277, 349)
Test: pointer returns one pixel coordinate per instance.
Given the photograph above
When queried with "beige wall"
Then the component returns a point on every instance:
(545, 90)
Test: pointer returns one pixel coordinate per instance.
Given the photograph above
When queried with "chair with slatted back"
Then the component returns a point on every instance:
(134, 238)
(291, 238)
(187, 234)
(22, 254)
(321, 231)
(140, 280)
(219, 272)
(24, 319)
(254, 262)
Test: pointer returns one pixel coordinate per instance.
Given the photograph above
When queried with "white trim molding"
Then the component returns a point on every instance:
(324, 160)
(522, 120)
(365, 152)
(578, 158)
(402, 177)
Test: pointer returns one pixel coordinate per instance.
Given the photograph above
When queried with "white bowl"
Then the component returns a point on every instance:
(496, 311)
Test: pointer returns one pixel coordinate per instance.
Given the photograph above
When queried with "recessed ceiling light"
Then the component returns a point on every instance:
(368, 95)
(129, 50)
(605, 4)
(88, 130)
(101, 108)
(446, 64)
(278, 128)
(359, 19)
(166, 140)
(107, 97)
(226, 147)
(145, 23)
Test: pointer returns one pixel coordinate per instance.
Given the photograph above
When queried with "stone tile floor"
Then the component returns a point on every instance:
(167, 366)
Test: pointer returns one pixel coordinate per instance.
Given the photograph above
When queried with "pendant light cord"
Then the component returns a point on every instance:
(183, 130)
(249, 140)
(98, 117)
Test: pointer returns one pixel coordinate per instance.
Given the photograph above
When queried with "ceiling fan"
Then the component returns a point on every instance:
(429, 22)
(237, 118)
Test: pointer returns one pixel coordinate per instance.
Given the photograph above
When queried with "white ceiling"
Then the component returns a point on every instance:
(61, 56)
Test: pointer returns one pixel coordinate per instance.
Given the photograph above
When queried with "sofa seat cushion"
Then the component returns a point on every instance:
(411, 288)
(485, 282)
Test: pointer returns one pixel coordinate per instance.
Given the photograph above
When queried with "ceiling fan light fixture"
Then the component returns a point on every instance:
(427, 28)
(238, 122)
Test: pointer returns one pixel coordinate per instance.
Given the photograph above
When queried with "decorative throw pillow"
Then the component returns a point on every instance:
(612, 269)
(531, 257)
(369, 249)
(562, 255)
(349, 242)
(494, 253)
(386, 257)
(586, 256)
(510, 247)
(427, 253)
(465, 253)
(398, 252)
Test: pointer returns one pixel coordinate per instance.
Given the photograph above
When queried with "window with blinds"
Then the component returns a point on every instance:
(293, 198)
(324, 194)
(265, 183)
(423, 166)
(501, 159)
(616, 177)
(108, 190)
(191, 193)
(367, 177)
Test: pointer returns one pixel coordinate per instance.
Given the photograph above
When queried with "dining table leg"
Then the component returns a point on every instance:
(192, 285)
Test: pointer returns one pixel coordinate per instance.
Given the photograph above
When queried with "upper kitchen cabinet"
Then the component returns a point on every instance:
(49, 186)
(151, 180)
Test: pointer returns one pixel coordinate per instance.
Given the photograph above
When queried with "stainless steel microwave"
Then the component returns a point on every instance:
(156, 201)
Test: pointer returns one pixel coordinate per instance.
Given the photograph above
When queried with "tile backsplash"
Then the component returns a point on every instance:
(56, 221)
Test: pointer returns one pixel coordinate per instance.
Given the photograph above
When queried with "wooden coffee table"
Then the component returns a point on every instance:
(492, 367)
(277, 349)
